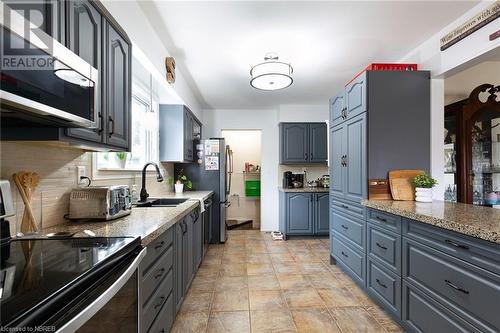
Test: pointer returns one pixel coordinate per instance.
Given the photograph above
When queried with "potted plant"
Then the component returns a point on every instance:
(122, 158)
(423, 187)
(182, 180)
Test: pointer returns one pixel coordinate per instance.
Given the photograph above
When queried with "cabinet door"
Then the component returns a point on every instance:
(197, 241)
(84, 34)
(190, 250)
(337, 171)
(321, 214)
(188, 136)
(355, 135)
(294, 143)
(355, 94)
(337, 104)
(178, 265)
(299, 214)
(318, 150)
(118, 90)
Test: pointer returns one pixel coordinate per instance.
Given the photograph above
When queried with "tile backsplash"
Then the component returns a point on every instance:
(57, 167)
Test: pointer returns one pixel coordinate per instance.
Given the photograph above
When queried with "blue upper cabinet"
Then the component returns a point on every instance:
(318, 150)
(337, 109)
(355, 95)
(303, 143)
(294, 143)
(337, 143)
(355, 158)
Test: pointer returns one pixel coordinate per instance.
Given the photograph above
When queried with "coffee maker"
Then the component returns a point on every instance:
(287, 179)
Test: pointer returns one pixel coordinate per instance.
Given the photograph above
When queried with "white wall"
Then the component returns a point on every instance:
(445, 63)
(266, 120)
(147, 42)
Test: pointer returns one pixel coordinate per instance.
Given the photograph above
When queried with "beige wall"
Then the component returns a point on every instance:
(313, 172)
(56, 166)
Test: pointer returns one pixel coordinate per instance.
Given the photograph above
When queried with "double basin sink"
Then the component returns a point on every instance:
(161, 202)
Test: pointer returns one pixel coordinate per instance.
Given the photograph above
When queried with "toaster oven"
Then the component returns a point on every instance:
(100, 203)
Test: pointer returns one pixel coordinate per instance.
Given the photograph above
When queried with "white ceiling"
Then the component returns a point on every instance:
(327, 43)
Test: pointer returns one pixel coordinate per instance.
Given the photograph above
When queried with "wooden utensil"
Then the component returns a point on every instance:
(401, 184)
(28, 224)
(378, 189)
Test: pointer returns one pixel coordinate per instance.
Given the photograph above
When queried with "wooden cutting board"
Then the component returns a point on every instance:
(400, 183)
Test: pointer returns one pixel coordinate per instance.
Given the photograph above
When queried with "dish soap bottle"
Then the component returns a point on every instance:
(135, 195)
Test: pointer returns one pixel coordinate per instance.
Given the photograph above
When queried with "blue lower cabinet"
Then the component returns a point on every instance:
(352, 261)
(423, 314)
(469, 291)
(304, 213)
(385, 286)
(351, 228)
(385, 246)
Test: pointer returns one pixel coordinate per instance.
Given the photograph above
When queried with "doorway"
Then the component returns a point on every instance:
(472, 132)
(244, 197)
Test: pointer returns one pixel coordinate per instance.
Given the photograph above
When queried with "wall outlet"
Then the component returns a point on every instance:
(81, 171)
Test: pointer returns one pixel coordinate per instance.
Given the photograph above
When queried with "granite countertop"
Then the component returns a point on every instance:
(305, 189)
(145, 222)
(476, 221)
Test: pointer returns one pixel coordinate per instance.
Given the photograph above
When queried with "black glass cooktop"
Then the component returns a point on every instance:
(33, 271)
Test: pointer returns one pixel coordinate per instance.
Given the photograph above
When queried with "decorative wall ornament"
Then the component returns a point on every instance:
(170, 67)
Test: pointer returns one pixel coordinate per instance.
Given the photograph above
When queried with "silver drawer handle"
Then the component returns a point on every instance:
(381, 284)
(461, 246)
(454, 286)
(381, 246)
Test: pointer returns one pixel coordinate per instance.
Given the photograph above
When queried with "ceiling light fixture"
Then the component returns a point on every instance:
(271, 74)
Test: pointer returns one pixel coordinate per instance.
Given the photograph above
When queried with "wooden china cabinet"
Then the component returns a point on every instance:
(472, 147)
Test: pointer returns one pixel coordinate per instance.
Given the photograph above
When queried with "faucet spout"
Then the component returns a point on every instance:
(159, 178)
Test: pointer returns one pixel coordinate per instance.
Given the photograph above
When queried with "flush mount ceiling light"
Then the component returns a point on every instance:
(271, 74)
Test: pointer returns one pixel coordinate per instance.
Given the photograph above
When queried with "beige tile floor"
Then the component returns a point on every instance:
(254, 284)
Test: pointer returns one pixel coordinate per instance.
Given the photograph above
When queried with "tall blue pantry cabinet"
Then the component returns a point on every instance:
(379, 122)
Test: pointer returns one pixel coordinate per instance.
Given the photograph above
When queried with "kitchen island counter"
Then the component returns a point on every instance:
(471, 220)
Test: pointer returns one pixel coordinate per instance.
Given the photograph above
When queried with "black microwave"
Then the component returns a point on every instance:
(42, 81)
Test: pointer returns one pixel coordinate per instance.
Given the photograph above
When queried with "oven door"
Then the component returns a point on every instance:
(41, 80)
(113, 306)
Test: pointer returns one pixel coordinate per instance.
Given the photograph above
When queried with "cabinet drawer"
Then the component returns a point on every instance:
(384, 220)
(471, 292)
(475, 251)
(352, 228)
(156, 274)
(348, 207)
(156, 248)
(384, 246)
(155, 303)
(385, 286)
(165, 318)
(424, 315)
(352, 259)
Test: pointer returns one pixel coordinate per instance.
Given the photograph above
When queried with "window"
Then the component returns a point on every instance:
(144, 147)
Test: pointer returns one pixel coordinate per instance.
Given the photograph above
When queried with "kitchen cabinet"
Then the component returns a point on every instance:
(180, 130)
(356, 97)
(197, 240)
(349, 160)
(304, 213)
(303, 143)
(337, 108)
(88, 29)
(118, 92)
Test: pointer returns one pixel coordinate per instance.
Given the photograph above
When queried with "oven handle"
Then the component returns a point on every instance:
(82, 317)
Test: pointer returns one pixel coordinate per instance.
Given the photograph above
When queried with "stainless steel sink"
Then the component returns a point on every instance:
(161, 202)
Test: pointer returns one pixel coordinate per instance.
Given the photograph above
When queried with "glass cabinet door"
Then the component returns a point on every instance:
(450, 155)
(484, 134)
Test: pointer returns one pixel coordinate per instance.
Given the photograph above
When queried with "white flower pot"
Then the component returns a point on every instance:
(179, 188)
(423, 194)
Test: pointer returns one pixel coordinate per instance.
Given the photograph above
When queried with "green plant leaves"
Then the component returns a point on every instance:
(424, 181)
